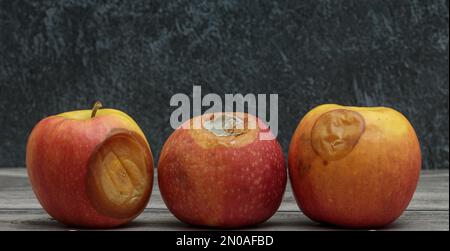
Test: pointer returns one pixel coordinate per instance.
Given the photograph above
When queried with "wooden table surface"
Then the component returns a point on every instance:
(19, 209)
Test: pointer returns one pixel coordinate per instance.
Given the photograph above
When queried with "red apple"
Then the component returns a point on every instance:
(222, 177)
(90, 168)
(354, 166)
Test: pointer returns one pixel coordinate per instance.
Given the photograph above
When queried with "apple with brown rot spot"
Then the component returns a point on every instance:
(90, 168)
(223, 174)
(354, 167)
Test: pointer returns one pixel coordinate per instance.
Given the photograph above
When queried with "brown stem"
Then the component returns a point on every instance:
(95, 108)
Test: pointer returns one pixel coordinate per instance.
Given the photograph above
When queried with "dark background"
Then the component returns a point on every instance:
(57, 56)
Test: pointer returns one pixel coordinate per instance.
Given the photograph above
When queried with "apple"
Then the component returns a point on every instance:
(222, 174)
(90, 168)
(354, 167)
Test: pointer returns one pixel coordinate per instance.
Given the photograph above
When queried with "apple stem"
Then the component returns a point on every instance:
(95, 108)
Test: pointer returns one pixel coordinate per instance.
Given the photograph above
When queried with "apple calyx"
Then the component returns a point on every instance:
(98, 105)
(226, 125)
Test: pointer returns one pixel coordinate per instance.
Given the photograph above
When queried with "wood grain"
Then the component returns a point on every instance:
(19, 209)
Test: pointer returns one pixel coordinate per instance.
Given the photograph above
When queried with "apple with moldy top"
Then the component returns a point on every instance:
(222, 174)
(355, 167)
(90, 168)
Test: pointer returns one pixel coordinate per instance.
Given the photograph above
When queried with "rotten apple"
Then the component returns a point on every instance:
(90, 168)
(354, 166)
(222, 174)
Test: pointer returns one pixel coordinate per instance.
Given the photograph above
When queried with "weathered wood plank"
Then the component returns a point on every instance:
(19, 209)
(161, 219)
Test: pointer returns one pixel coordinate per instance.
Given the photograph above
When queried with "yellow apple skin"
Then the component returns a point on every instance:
(355, 167)
(78, 178)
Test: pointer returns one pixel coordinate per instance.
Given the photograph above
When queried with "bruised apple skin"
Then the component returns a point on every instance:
(225, 178)
(355, 167)
(90, 168)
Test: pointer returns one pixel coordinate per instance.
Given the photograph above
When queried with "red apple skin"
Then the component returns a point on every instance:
(219, 186)
(58, 151)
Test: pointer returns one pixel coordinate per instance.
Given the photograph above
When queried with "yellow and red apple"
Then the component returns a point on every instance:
(221, 174)
(90, 168)
(354, 166)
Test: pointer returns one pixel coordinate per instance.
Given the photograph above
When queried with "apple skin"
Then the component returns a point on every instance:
(211, 183)
(368, 186)
(58, 153)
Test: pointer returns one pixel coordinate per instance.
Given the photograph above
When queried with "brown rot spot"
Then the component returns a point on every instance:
(226, 125)
(325, 163)
(118, 180)
(336, 133)
(225, 130)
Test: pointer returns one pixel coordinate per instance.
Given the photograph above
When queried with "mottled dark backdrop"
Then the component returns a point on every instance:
(134, 55)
